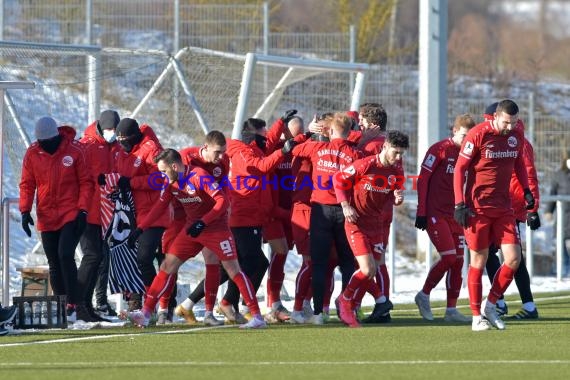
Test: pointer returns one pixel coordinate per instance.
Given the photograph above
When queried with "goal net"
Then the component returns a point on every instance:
(202, 90)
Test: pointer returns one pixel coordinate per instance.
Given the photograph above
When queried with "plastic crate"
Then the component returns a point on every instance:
(41, 312)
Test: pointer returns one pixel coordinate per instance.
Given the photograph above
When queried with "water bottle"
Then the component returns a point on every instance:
(44, 313)
(54, 315)
(37, 309)
(27, 313)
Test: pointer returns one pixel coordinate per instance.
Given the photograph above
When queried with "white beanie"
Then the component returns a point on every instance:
(46, 128)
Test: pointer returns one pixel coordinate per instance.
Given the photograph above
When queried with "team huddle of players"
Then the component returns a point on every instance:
(329, 190)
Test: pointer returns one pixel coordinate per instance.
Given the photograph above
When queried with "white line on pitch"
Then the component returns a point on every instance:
(110, 336)
(273, 363)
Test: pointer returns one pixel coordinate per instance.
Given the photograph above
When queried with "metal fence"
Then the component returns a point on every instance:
(165, 25)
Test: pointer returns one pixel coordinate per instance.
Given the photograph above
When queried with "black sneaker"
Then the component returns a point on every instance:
(3, 331)
(94, 315)
(379, 312)
(106, 310)
(81, 313)
(386, 318)
(525, 314)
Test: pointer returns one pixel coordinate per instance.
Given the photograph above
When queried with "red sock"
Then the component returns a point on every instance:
(302, 284)
(161, 285)
(356, 281)
(211, 284)
(475, 287)
(360, 293)
(374, 289)
(453, 281)
(383, 280)
(165, 299)
(501, 282)
(275, 276)
(247, 292)
(437, 271)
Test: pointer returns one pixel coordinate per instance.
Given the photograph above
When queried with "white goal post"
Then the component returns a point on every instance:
(293, 64)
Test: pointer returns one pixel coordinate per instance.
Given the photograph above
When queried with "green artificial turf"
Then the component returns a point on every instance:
(407, 348)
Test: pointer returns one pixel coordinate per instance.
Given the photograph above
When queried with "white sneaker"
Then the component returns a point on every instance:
(453, 315)
(480, 324)
(422, 300)
(316, 319)
(297, 317)
(210, 320)
(489, 311)
(307, 311)
(161, 316)
(255, 323)
(138, 318)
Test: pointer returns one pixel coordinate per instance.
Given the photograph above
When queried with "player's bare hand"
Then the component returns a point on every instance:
(398, 197)
(314, 126)
(350, 214)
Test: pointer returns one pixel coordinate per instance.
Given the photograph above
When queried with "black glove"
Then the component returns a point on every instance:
(196, 229)
(288, 115)
(532, 220)
(101, 179)
(529, 199)
(289, 145)
(421, 222)
(80, 222)
(133, 237)
(26, 221)
(124, 183)
(462, 213)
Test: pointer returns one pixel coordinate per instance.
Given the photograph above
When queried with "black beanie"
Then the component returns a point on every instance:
(128, 127)
(109, 119)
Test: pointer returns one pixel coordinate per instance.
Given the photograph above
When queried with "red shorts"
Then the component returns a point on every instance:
(446, 234)
(484, 230)
(300, 221)
(365, 241)
(170, 234)
(221, 242)
(277, 229)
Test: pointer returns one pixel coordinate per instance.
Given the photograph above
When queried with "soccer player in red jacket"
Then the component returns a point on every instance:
(481, 183)
(362, 189)
(327, 219)
(100, 146)
(435, 214)
(206, 207)
(522, 277)
(373, 120)
(212, 158)
(54, 172)
(250, 197)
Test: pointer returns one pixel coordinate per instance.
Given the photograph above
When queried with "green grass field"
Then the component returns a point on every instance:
(407, 348)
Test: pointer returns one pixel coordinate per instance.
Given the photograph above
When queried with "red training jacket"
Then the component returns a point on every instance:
(61, 182)
(100, 158)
